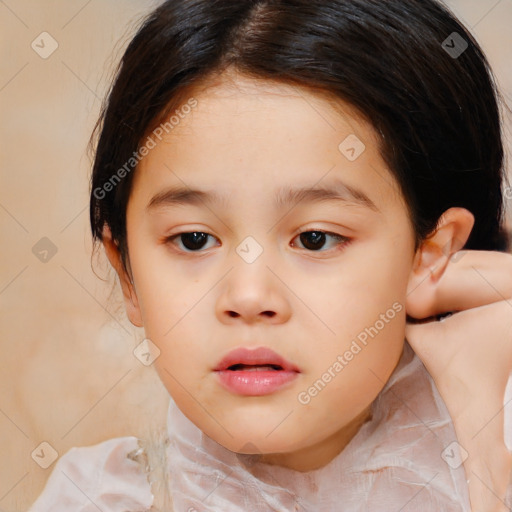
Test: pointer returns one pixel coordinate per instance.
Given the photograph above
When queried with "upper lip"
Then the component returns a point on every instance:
(261, 356)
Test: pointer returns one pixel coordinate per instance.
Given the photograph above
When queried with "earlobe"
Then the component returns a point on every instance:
(432, 258)
(129, 294)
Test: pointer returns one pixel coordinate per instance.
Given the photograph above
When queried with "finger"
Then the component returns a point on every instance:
(427, 340)
(482, 335)
(474, 278)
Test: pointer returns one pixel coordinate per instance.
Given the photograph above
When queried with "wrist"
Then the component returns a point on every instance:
(489, 475)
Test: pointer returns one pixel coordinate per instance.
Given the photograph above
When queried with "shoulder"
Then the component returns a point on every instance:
(104, 476)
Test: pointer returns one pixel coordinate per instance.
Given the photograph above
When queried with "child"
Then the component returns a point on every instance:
(283, 188)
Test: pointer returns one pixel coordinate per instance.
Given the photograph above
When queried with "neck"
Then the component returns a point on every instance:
(320, 454)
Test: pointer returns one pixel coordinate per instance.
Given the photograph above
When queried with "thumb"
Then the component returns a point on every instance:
(426, 339)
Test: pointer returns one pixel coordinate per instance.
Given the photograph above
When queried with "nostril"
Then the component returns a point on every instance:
(234, 314)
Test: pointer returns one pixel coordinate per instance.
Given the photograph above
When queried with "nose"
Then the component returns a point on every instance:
(253, 293)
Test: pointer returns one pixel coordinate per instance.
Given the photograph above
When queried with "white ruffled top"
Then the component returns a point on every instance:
(401, 459)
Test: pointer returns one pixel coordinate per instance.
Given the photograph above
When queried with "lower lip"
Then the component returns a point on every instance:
(256, 382)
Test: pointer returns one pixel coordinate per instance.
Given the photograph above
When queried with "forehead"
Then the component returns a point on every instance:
(233, 95)
(261, 136)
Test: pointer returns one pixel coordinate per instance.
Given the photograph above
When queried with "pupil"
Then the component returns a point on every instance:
(314, 236)
(193, 240)
(310, 239)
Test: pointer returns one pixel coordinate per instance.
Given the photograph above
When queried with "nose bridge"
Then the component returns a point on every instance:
(250, 250)
(250, 263)
(252, 291)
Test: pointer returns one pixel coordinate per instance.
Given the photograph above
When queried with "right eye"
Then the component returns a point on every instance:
(191, 241)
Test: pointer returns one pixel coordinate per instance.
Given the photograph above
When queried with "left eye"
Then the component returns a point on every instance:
(311, 240)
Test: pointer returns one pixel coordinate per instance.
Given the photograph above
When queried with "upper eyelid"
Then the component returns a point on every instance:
(308, 230)
(344, 239)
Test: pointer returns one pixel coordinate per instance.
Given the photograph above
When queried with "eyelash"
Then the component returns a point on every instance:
(343, 241)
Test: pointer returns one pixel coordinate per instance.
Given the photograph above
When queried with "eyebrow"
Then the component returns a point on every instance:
(335, 191)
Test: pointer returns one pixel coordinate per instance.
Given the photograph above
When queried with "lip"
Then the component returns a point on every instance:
(257, 356)
(252, 381)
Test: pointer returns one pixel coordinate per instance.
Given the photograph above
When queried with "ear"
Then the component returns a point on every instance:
(130, 297)
(432, 258)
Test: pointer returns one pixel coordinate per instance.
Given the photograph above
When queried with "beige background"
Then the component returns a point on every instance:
(68, 375)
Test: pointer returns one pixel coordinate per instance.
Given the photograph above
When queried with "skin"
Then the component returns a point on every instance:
(470, 375)
(245, 140)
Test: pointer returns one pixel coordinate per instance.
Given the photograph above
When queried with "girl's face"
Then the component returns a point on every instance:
(248, 169)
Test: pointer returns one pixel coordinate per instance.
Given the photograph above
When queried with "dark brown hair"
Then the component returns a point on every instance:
(403, 65)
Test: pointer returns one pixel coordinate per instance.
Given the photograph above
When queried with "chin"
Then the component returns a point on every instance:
(254, 440)
(260, 446)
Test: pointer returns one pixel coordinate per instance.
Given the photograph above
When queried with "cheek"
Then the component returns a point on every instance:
(165, 294)
(363, 308)
(173, 312)
(364, 287)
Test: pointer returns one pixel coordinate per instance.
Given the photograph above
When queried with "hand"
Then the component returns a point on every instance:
(469, 356)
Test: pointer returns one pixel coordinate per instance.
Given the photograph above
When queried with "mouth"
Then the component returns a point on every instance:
(255, 372)
(259, 359)
(254, 367)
